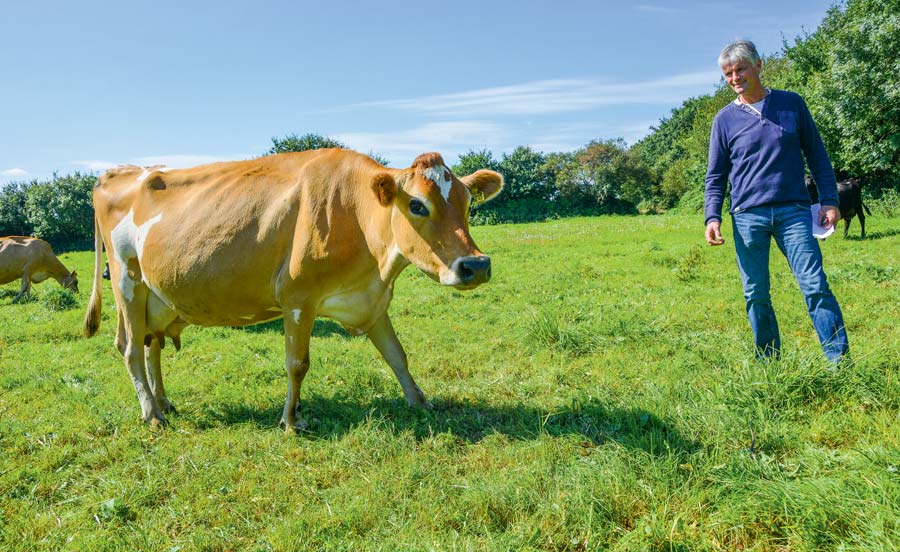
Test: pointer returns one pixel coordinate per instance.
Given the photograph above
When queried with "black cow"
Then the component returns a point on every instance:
(849, 201)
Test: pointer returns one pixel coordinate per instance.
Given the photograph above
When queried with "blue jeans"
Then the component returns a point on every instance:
(791, 226)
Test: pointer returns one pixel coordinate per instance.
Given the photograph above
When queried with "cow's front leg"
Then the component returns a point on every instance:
(298, 326)
(385, 339)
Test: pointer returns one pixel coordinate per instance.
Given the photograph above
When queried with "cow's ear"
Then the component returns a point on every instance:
(483, 185)
(74, 273)
(385, 188)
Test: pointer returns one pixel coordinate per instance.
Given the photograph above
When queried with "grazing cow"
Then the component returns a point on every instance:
(296, 235)
(32, 260)
(849, 199)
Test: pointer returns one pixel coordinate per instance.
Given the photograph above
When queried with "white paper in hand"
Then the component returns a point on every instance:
(819, 231)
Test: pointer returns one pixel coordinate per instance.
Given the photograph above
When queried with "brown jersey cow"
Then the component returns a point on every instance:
(296, 235)
(32, 260)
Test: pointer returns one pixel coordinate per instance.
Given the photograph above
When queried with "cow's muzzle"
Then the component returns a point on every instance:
(471, 271)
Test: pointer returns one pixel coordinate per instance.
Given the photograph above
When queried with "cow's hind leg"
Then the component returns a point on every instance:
(384, 338)
(131, 299)
(120, 331)
(25, 289)
(298, 326)
(862, 223)
(154, 377)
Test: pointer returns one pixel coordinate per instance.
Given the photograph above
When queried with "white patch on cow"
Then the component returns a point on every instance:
(128, 243)
(393, 264)
(449, 277)
(296, 313)
(438, 175)
(143, 176)
(126, 286)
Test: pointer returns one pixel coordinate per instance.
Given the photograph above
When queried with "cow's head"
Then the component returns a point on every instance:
(71, 281)
(430, 218)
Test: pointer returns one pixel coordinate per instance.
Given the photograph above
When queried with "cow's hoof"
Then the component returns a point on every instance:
(291, 429)
(156, 423)
(419, 400)
(168, 408)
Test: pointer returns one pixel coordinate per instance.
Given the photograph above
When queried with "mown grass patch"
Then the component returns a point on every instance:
(599, 394)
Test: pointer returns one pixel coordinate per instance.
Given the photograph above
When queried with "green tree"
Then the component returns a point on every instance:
(311, 141)
(472, 161)
(523, 175)
(602, 176)
(13, 216)
(847, 69)
(61, 210)
(527, 187)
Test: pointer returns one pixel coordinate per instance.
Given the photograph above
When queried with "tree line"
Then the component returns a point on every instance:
(843, 69)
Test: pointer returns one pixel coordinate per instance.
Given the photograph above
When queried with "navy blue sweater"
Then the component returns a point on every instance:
(761, 156)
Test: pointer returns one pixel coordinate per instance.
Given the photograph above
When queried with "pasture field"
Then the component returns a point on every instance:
(598, 394)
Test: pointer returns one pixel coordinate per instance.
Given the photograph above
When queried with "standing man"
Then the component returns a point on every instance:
(759, 142)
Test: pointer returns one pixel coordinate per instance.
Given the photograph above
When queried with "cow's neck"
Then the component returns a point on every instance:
(58, 271)
(383, 246)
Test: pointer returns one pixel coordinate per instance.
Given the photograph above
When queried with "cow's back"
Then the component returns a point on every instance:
(17, 252)
(216, 241)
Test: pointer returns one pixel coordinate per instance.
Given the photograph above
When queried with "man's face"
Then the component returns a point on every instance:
(743, 77)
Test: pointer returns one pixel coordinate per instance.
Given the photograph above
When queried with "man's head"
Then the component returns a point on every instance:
(741, 64)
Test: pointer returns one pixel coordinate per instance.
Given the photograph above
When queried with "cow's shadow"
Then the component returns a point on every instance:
(877, 235)
(593, 422)
(321, 328)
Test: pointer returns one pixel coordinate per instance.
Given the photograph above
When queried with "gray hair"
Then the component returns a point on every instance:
(739, 50)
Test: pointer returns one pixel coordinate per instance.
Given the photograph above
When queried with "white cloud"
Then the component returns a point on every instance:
(666, 10)
(448, 138)
(574, 137)
(556, 96)
(96, 165)
(175, 161)
(15, 173)
(451, 139)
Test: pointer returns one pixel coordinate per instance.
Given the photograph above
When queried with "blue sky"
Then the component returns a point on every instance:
(88, 85)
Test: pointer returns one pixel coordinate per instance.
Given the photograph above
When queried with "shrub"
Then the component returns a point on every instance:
(13, 217)
(59, 299)
(61, 210)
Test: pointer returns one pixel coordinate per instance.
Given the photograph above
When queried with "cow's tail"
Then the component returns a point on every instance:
(92, 317)
(868, 212)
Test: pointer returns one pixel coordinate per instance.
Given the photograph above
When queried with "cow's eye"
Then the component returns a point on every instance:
(418, 208)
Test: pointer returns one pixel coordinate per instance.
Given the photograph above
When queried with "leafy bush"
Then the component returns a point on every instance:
(888, 205)
(61, 210)
(59, 299)
(13, 216)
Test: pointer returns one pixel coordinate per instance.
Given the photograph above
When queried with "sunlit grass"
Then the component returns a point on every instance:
(599, 393)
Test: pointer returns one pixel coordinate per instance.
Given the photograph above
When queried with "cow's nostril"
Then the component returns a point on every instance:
(472, 270)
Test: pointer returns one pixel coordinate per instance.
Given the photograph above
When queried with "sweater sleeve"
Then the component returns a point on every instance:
(716, 173)
(817, 157)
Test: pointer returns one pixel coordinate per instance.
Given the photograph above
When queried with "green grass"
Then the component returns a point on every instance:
(598, 394)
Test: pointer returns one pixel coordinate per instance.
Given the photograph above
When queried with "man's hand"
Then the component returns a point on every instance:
(713, 235)
(829, 215)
